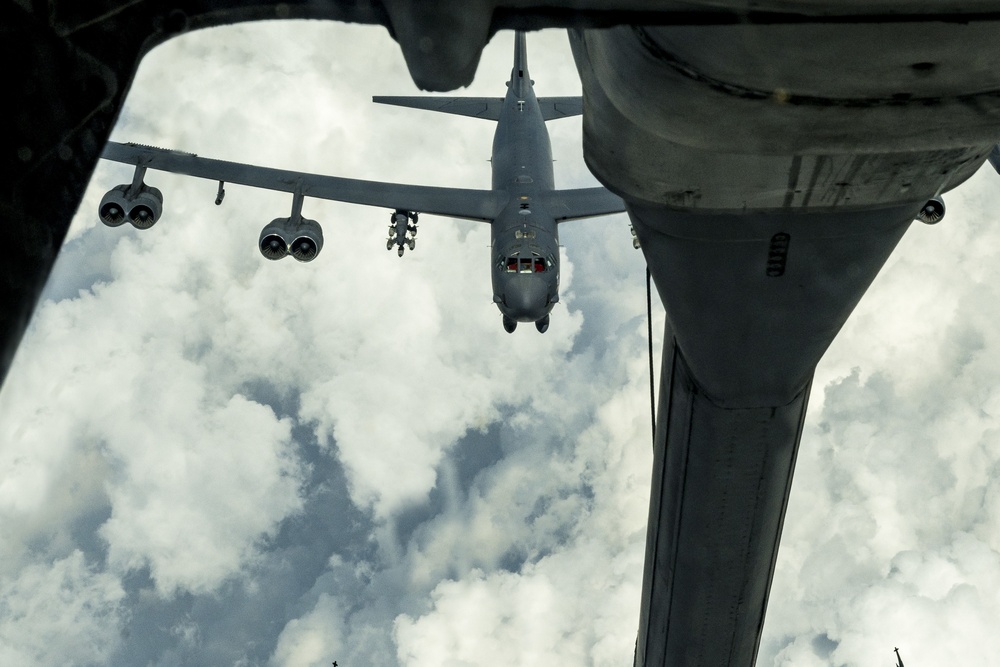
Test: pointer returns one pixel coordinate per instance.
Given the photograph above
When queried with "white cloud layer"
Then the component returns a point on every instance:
(893, 531)
(60, 613)
(208, 458)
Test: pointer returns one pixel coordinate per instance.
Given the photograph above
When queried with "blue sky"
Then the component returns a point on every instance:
(209, 458)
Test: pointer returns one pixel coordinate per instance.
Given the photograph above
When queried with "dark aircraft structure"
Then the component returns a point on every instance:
(770, 154)
(523, 208)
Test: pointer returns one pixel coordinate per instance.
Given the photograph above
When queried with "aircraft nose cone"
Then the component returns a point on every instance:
(527, 299)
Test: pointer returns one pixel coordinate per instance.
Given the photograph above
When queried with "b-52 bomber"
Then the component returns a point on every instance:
(523, 207)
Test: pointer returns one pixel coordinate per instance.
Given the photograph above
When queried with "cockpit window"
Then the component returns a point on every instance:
(526, 265)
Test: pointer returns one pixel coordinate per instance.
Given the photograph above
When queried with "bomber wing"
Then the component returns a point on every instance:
(566, 205)
(481, 205)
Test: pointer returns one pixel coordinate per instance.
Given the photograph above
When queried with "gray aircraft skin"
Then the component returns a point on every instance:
(523, 207)
(770, 155)
(762, 230)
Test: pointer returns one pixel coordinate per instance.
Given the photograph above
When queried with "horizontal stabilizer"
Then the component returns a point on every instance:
(560, 107)
(476, 107)
(583, 203)
(484, 107)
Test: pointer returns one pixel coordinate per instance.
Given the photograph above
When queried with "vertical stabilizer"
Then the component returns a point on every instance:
(519, 79)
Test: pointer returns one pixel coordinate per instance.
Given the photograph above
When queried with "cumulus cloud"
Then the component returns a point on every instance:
(891, 537)
(192, 472)
(546, 554)
(63, 612)
(312, 638)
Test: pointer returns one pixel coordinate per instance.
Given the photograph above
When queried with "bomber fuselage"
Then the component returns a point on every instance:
(525, 240)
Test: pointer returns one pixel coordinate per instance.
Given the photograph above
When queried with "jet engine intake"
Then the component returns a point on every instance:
(932, 212)
(140, 205)
(307, 241)
(272, 241)
(146, 207)
(114, 205)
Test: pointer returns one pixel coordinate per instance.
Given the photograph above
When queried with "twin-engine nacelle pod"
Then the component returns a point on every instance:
(122, 203)
(302, 241)
(932, 212)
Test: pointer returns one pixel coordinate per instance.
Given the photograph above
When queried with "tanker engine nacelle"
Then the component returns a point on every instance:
(137, 203)
(932, 212)
(302, 240)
